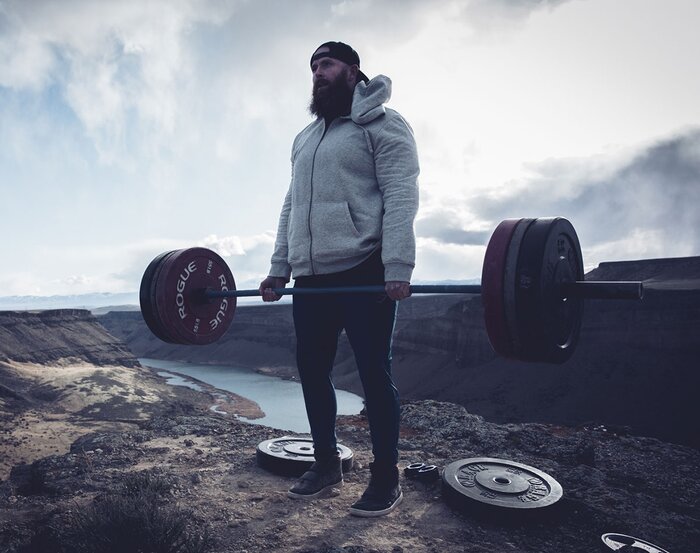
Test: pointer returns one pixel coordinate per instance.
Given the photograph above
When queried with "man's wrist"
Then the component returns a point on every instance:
(397, 272)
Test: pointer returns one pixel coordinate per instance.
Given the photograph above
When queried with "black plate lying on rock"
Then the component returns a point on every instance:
(499, 486)
(294, 455)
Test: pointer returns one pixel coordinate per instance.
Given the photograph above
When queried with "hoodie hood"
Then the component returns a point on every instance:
(369, 98)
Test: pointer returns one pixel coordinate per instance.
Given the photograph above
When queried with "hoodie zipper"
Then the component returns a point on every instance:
(311, 194)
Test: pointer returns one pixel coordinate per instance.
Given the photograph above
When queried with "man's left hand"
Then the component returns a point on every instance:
(398, 290)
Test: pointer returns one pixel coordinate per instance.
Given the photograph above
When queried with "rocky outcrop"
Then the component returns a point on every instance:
(669, 273)
(258, 336)
(49, 336)
(63, 375)
(207, 465)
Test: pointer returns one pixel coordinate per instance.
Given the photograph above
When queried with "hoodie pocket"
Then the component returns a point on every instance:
(298, 237)
(333, 232)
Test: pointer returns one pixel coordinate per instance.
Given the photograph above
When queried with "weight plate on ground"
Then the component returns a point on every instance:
(294, 455)
(548, 324)
(618, 541)
(184, 312)
(491, 484)
(492, 287)
(149, 310)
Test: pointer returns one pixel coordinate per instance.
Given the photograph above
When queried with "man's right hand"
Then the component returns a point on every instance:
(267, 285)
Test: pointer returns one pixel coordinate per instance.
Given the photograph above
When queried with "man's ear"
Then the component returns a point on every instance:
(352, 74)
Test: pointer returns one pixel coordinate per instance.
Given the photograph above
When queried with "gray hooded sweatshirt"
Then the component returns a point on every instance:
(354, 189)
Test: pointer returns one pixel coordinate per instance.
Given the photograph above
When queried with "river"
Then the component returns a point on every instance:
(281, 400)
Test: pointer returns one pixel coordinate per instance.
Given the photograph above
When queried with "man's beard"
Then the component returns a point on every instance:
(335, 100)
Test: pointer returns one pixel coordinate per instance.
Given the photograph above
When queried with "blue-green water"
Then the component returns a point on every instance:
(281, 400)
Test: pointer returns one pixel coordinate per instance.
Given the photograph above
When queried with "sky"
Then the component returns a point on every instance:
(132, 127)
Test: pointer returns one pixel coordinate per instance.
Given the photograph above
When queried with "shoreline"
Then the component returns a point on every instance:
(223, 402)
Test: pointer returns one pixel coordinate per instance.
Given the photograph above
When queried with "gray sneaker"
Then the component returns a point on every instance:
(321, 477)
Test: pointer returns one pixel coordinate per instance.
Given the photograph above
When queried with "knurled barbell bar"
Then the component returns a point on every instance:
(532, 289)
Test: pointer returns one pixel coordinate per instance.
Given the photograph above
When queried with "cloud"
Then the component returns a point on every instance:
(77, 280)
(403, 17)
(445, 228)
(508, 9)
(141, 77)
(114, 63)
(439, 261)
(642, 206)
(128, 128)
(228, 246)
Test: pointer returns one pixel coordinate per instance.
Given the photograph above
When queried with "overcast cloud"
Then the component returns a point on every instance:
(128, 128)
(642, 207)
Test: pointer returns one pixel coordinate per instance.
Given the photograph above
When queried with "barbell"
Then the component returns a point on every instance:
(532, 289)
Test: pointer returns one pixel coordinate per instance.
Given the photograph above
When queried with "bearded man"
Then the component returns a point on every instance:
(347, 220)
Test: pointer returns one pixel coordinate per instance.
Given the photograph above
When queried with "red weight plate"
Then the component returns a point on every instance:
(492, 287)
(184, 311)
(149, 311)
(167, 333)
(509, 285)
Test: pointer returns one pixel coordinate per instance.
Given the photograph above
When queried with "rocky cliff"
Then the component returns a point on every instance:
(63, 375)
(637, 364)
(48, 336)
(190, 483)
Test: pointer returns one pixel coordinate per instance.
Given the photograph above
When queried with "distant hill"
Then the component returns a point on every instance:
(79, 301)
(103, 303)
(680, 273)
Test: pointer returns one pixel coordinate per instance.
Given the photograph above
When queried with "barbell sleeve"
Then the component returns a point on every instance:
(603, 290)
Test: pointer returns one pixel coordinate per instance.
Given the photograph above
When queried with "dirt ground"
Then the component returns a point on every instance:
(72, 398)
(612, 482)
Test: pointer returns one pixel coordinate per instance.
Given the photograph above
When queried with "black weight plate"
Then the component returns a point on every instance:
(487, 484)
(412, 470)
(548, 324)
(149, 312)
(184, 312)
(618, 541)
(294, 455)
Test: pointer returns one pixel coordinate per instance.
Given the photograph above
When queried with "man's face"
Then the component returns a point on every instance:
(333, 85)
(328, 73)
